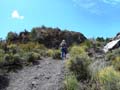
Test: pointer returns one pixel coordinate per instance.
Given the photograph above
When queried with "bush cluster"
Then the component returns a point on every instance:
(79, 66)
(71, 82)
(32, 57)
(109, 79)
(94, 73)
(19, 55)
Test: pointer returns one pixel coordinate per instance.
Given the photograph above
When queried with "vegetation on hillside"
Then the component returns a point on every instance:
(93, 69)
(90, 68)
(25, 48)
(49, 37)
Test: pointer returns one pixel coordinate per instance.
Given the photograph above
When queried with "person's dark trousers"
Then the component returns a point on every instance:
(63, 53)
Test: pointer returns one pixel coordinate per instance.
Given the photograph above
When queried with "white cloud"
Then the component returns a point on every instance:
(112, 2)
(89, 5)
(84, 3)
(16, 15)
(95, 6)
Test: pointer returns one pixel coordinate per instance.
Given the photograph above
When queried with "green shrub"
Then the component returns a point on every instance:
(100, 39)
(37, 56)
(17, 60)
(2, 51)
(79, 62)
(78, 50)
(71, 82)
(1, 56)
(32, 57)
(31, 46)
(79, 66)
(11, 37)
(87, 44)
(109, 79)
(40, 46)
(96, 66)
(41, 52)
(114, 58)
(56, 54)
(99, 44)
(111, 55)
(89, 85)
(8, 59)
(12, 62)
(13, 48)
(27, 47)
(116, 63)
(50, 52)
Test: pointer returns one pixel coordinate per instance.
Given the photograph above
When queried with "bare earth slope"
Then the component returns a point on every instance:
(48, 75)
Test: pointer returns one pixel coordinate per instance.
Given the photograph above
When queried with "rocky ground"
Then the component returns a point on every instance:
(47, 75)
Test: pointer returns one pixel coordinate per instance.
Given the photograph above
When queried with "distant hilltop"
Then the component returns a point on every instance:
(50, 37)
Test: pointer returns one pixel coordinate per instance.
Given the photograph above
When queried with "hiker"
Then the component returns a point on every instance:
(63, 47)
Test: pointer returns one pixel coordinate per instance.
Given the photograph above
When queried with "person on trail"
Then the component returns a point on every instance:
(63, 47)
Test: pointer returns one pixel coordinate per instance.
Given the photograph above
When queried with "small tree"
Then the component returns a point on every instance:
(12, 37)
(100, 39)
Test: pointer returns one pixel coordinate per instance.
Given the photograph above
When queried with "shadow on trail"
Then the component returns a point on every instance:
(4, 82)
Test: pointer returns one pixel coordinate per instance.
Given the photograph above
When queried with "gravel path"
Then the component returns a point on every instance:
(48, 75)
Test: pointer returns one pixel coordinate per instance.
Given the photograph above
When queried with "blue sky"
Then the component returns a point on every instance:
(91, 17)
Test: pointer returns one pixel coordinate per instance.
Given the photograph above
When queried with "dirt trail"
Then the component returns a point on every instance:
(48, 75)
